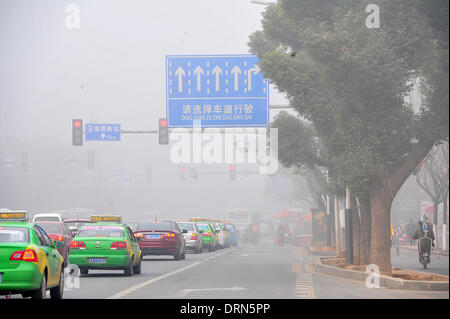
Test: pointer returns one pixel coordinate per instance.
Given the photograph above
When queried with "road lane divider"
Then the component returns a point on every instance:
(156, 279)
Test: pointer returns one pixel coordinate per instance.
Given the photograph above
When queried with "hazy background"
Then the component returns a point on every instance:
(112, 70)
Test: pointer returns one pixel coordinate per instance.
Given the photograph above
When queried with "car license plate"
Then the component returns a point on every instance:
(97, 260)
(153, 236)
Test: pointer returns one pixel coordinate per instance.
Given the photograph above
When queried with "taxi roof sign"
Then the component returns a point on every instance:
(199, 219)
(11, 215)
(106, 218)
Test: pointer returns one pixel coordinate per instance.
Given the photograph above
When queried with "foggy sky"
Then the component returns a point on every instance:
(111, 70)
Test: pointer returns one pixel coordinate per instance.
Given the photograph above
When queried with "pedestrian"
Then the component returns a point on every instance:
(281, 234)
(429, 226)
(410, 230)
(392, 234)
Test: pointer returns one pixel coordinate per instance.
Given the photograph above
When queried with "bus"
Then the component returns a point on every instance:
(241, 218)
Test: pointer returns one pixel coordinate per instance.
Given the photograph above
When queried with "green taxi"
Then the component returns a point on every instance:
(106, 244)
(30, 263)
(209, 235)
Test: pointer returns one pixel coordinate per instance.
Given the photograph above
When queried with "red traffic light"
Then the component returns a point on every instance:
(163, 122)
(181, 168)
(77, 124)
(232, 168)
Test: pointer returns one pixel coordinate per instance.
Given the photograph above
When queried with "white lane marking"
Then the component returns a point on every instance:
(151, 281)
(304, 287)
(216, 289)
(245, 255)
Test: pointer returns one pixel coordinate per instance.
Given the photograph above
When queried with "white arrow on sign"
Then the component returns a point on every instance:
(180, 73)
(217, 71)
(236, 71)
(198, 72)
(254, 70)
(103, 135)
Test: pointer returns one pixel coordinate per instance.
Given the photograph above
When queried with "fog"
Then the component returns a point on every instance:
(112, 70)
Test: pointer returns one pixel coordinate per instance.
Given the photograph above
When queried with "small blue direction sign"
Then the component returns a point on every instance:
(218, 90)
(102, 132)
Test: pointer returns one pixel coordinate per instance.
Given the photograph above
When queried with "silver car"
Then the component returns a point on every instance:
(193, 237)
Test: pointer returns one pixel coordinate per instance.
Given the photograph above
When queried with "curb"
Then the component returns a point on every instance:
(385, 281)
(322, 253)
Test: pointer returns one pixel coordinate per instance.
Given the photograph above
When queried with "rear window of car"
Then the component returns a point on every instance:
(76, 224)
(101, 231)
(51, 228)
(48, 218)
(203, 226)
(187, 226)
(14, 235)
(160, 226)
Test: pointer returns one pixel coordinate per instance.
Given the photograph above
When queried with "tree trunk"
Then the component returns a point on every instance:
(444, 224)
(356, 233)
(445, 211)
(382, 190)
(380, 211)
(435, 222)
(332, 230)
(364, 244)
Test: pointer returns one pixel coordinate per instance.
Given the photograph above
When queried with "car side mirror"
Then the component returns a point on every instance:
(184, 231)
(59, 244)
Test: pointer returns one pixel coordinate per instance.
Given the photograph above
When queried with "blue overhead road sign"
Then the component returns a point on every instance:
(219, 91)
(102, 132)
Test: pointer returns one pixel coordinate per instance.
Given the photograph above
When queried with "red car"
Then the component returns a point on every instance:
(161, 238)
(58, 231)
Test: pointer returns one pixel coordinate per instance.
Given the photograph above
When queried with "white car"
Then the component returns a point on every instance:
(193, 237)
(48, 217)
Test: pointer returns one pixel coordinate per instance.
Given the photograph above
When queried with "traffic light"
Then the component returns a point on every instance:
(232, 172)
(77, 132)
(24, 161)
(163, 132)
(91, 159)
(182, 173)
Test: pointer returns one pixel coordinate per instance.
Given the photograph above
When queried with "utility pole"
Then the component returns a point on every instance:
(348, 227)
(328, 221)
(337, 226)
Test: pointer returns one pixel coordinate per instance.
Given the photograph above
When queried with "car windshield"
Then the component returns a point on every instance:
(51, 228)
(14, 235)
(101, 231)
(186, 226)
(159, 226)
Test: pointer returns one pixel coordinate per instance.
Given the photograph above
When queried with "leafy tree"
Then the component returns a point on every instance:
(351, 83)
(432, 177)
(298, 147)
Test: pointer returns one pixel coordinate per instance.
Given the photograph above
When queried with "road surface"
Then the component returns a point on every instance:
(249, 271)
